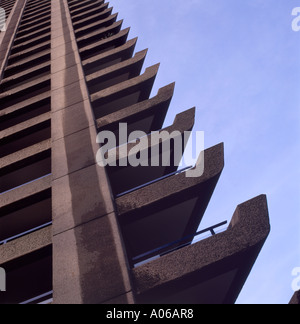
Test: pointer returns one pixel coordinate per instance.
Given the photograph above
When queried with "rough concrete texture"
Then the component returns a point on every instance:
(26, 245)
(19, 77)
(91, 27)
(98, 16)
(87, 248)
(214, 163)
(89, 267)
(25, 158)
(24, 154)
(124, 94)
(22, 90)
(148, 76)
(156, 107)
(117, 73)
(95, 35)
(6, 38)
(136, 176)
(183, 122)
(72, 120)
(74, 152)
(79, 198)
(21, 127)
(88, 8)
(68, 96)
(25, 191)
(23, 107)
(110, 57)
(109, 42)
(66, 77)
(236, 248)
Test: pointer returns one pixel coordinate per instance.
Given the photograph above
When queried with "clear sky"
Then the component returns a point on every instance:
(238, 62)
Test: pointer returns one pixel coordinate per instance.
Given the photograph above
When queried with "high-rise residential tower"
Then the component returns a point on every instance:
(72, 231)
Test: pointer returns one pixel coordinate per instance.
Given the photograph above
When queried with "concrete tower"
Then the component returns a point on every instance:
(72, 231)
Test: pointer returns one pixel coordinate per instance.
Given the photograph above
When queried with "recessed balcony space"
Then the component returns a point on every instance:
(25, 91)
(96, 26)
(7, 6)
(163, 148)
(8, 3)
(74, 5)
(25, 134)
(20, 64)
(24, 111)
(169, 209)
(33, 4)
(104, 45)
(30, 54)
(25, 208)
(100, 34)
(179, 244)
(29, 278)
(84, 7)
(41, 5)
(36, 14)
(203, 276)
(39, 26)
(116, 74)
(25, 166)
(93, 18)
(31, 44)
(124, 94)
(30, 35)
(88, 13)
(146, 116)
(28, 24)
(26, 76)
(109, 58)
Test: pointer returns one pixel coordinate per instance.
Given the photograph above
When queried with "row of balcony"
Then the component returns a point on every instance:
(25, 158)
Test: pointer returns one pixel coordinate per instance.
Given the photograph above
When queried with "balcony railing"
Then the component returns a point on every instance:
(168, 248)
(41, 299)
(24, 233)
(154, 181)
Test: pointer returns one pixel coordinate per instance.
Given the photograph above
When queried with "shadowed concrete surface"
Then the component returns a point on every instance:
(25, 158)
(71, 232)
(146, 116)
(212, 270)
(172, 143)
(84, 227)
(169, 209)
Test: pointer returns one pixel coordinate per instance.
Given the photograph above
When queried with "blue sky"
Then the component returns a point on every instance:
(238, 62)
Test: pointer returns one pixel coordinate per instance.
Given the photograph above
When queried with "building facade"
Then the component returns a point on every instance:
(74, 232)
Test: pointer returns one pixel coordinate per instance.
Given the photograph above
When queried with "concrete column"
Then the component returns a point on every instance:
(89, 262)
